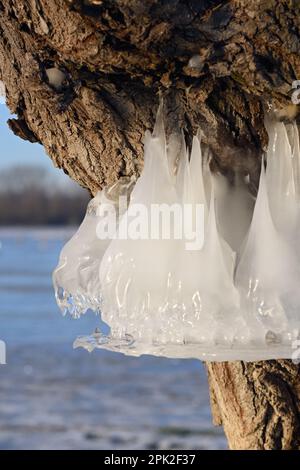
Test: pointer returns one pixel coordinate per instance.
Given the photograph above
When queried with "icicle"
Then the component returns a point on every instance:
(226, 288)
(196, 171)
(183, 307)
(280, 177)
(293, 135)
(134, 272)
(265, 269)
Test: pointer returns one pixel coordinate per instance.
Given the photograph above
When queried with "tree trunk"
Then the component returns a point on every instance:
(84, 79)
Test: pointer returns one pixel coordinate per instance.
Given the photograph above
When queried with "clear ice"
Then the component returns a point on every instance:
(236, 298)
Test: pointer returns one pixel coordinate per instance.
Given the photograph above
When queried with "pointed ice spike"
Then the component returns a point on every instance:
(146, 142)
(196, 171)
(261, 213)
(140, 265)
(207, 176)
(187, 190)
(295, 145)
(265, 266)
(181, 166)
(279, 174)
(155, 179)
(159, 127)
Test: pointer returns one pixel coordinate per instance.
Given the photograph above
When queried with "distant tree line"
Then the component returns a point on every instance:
(29, 195)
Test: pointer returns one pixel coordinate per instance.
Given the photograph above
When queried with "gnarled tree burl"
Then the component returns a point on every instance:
(84, 76)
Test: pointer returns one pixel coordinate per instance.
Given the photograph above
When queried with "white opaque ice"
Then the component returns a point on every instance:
(280, 177)
(76, 278)
(236, 297)
(266, 272)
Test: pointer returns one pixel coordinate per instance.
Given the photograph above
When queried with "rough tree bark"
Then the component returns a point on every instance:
(218, 64)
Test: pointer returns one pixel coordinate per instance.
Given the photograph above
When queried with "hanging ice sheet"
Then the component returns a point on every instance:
(230, 293)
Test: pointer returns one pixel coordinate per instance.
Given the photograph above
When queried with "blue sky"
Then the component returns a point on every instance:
(14, 151)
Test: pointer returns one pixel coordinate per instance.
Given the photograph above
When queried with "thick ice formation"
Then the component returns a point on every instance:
(76, 276)
(236, 296)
